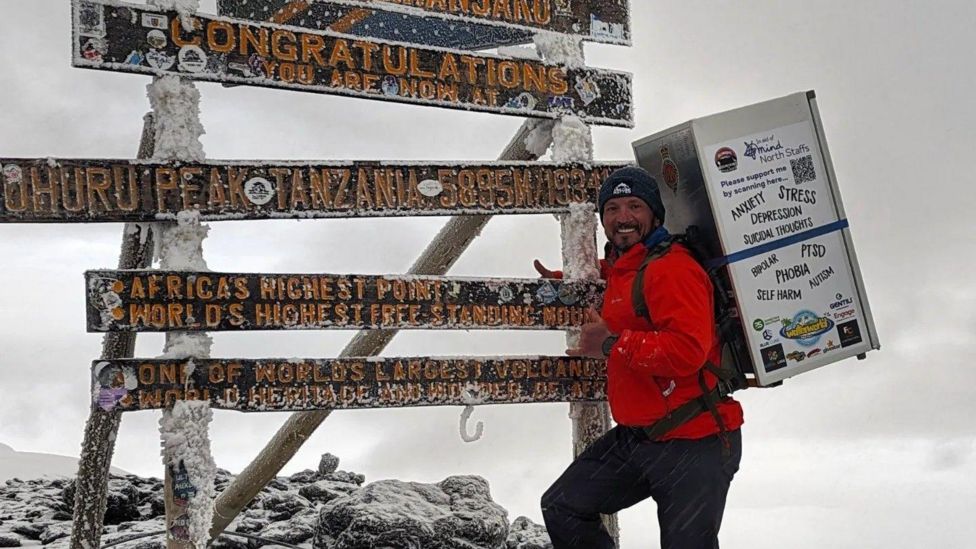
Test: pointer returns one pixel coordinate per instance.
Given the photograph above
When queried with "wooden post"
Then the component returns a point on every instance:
(572, 141)
(437, 259)
(91, 483)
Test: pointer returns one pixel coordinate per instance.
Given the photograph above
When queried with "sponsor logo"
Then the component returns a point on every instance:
(622, 188)
(430, 187)
(567, 296)
(135, 58)
(522, 101)
(259, 190)
(561, 103)
(841, 303)
(13, 173)
(726, 160)
(813, 353)
(155, 21)
(806, 327)
(506, 294)
(587, 89)
(156, 39)
(758, 324)
(767, 335)
(192, 59)
(796, 356)
(850, 333)
(844, 314)
(669, 169)
(773, 358)
(546, 294)
(159, 60)
(830, 346)
(93, 49)
(599, 29)
(390, 85)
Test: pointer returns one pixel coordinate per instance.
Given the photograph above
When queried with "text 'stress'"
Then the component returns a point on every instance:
(154, 301)
(799, 300)
(301, 384)
(49, 190)
(131, 38)
(465, 24)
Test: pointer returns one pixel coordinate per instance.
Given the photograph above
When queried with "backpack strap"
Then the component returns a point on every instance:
(709, 399)
(637, 290)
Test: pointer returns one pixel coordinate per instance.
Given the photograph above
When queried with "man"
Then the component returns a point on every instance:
(656, 362)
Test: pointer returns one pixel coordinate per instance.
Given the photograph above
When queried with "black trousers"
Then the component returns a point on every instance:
(689, 480)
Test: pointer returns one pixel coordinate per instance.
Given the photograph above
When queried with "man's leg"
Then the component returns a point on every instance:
(691, 495)
(603, 479)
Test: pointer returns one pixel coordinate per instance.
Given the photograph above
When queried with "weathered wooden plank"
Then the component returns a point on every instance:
(43, 190)
(120, 37)
(272, 385)
(448, 24)
(155, 301)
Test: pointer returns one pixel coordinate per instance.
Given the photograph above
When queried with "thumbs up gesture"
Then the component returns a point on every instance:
(592, 336)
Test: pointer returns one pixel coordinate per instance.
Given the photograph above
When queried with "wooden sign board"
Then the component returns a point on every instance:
(160, 301)
(408, 25)
(273, 385)
(436, 22)
(136, 39)
(57, 191)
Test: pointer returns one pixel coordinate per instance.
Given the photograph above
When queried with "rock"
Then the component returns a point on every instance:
(123, 502)
(254, 520)
(9, 541)
(525, 534)
(328, 464)
(324, 491)
(284, 505)
(343, 476)
(304, 477)
(300, 528)
(28, 529)
(453, 514)
(54, 532)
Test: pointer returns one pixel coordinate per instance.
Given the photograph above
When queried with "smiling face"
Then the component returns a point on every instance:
(627, 221)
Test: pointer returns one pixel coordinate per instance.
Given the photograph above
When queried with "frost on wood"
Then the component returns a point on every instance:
(579, 242)
(186, 8)
(186, 447)
(181, 244)
(176, 105)
(561, 49)
(539, 137)
(572, 141)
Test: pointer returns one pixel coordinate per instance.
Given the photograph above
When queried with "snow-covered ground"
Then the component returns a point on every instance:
(801, 493)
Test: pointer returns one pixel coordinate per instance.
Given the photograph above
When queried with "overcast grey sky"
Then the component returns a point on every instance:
(895, 82)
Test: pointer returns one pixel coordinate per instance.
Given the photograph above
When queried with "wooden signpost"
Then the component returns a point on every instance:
(437, 21)
(158, 301)
(58, 191)
(274, 385)
(394, 50)
(132, 38)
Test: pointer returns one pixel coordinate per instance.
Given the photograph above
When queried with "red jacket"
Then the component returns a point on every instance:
(653, 368)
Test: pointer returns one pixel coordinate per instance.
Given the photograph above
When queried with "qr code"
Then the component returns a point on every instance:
(803, 170)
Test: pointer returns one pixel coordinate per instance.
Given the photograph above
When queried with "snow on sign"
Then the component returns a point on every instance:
(443, 23)
(294, 384)
(136, 39)
(49, 190)
(759, 183)
(158, 301)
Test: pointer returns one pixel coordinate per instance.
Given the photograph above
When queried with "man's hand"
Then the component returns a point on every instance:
(544, 272)
(592, 336)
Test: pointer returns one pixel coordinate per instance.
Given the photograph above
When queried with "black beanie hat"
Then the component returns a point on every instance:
(632, 181)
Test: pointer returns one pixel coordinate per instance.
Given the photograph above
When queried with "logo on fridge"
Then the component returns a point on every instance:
(669, 169)
(726, 160)
(806, 328)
